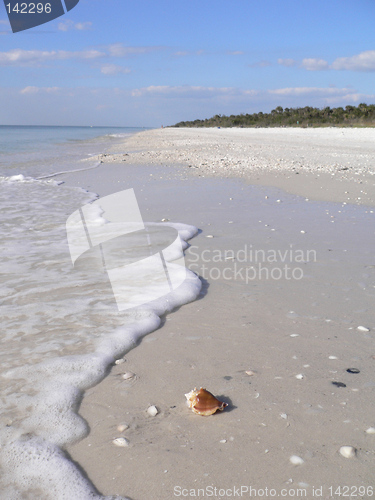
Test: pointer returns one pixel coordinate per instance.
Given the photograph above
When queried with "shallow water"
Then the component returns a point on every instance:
(61, 325)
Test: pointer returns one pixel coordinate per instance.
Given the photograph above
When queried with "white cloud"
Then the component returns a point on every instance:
(181, 53)
(113, 69)
(186, 91)
(34, 90)
(85, 54)
(314, 64)
(29, 90)
(312, 91)
(235, 52)
(20, 57)
(68, 25)
(119, 50)
(83, 26)
(287, 62)
(365, 61)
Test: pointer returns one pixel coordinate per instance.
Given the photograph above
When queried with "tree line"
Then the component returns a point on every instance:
(362, 115)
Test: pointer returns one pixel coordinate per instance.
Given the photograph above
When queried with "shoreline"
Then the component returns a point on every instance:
(299, 161)
(296, 337)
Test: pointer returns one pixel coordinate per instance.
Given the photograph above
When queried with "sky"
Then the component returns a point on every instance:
(143, 63)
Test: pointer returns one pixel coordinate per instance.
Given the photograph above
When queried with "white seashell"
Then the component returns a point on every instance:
(294, 335)
(370, 430)
(152, 410)
(283, 415)
(299, 376)
(303, 232)
(122, 427)
(347, 451)
(332, 357)
(123, 442)
(128, 375)
(209, 236)
(295, 460)
(119, 361)
(222, 441)
(363, 329)
(250, 373)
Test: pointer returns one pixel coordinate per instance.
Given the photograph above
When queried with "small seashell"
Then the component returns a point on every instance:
(222, 441)
(128, 375)
(363, 329)
(249, 372)
(294, 335)
(347, 451)
(299, 376)
(165, 220)
(209, 236)
(353, 370)
(283, 415)
(370, 430)
(295, 460)
(119, 361)
(152, 411)
(332, 357)
(203, 402)
(121, 442)
(122, 427)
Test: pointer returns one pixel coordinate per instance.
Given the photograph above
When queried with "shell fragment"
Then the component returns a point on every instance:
(122, 442)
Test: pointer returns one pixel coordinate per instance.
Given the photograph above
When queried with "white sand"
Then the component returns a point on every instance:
(284, 329)
(301, 161)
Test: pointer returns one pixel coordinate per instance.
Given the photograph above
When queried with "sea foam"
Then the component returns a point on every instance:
(62, 331)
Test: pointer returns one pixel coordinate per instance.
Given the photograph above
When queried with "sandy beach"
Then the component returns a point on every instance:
(285, 253)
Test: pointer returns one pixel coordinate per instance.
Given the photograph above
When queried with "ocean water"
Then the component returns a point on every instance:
(62, 326)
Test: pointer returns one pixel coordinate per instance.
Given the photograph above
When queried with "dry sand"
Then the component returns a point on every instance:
(300, 161)
(295, 329)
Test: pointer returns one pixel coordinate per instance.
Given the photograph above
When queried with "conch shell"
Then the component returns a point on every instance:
(203, 402)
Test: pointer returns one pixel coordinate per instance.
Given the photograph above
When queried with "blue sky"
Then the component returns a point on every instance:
(148, 63)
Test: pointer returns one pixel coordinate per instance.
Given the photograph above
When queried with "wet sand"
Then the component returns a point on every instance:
(286, 284)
